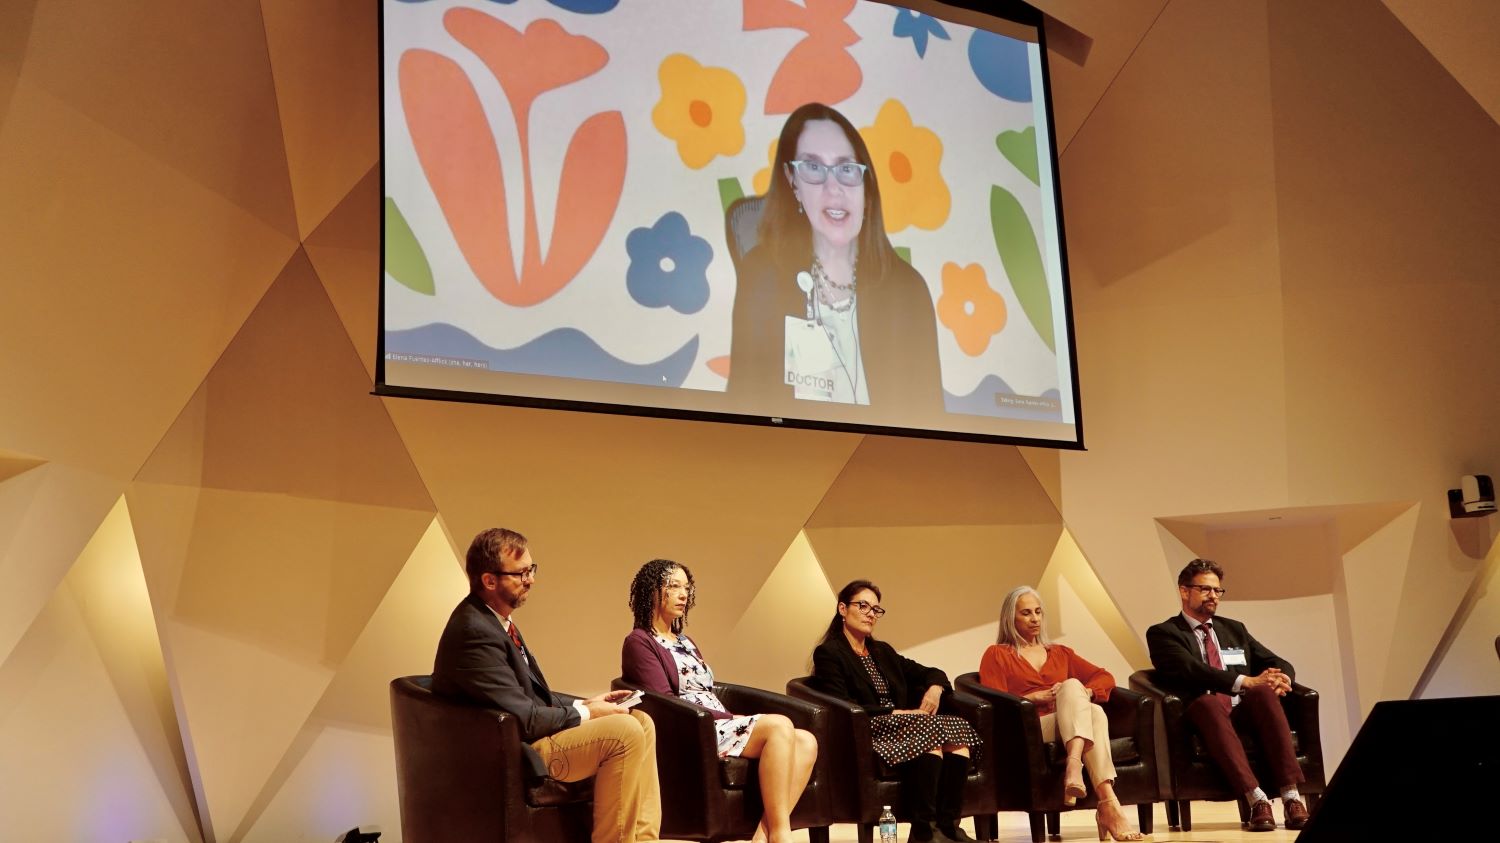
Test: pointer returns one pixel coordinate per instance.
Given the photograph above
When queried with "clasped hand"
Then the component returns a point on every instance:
(1279, 682)
(1050, 694)
(929, 703)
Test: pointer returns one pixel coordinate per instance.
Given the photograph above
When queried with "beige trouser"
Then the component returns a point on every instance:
(1076, 717)
(619, 751)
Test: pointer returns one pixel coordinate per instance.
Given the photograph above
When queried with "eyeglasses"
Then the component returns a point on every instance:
(848, 174)
(866, 608)
(1206, 590)
(524, 574)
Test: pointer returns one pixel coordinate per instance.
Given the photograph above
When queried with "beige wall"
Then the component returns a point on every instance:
(216, 548)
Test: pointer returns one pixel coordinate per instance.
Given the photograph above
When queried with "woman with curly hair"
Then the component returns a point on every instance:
(660, 657)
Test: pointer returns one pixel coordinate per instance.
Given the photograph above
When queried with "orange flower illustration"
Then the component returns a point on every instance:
(970, 308)
(819, 68)
(456, 147)
(762, 180)
(700, 108)
(906, 158)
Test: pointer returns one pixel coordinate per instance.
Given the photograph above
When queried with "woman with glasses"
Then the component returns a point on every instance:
(825, 309)
(904, 699)
(660, 657)
(1066, 690)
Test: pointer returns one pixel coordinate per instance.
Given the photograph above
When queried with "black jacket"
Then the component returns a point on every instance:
(838, 671)
(478, 663)
(1181, 670)
(897, 336)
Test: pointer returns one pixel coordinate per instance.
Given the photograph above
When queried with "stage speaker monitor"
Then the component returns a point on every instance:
(1418, 766)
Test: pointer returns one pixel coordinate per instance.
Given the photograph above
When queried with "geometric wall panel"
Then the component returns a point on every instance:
(320, 54)
(92, 750)
(944, 528)
(774, 638)
(1461, 34)
(340, 771)
(345, 251)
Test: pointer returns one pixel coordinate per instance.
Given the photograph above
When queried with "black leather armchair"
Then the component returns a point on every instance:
(460, 776)
(1029, 776)
(715, 798)
(1191, 773)
(863, 783)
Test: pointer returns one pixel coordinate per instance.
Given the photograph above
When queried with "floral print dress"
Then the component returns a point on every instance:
(695, 683)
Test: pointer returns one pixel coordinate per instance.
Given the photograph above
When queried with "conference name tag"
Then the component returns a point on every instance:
(1234, 656)
(810, 362)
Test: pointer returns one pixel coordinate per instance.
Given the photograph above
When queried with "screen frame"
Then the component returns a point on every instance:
(1013, 11)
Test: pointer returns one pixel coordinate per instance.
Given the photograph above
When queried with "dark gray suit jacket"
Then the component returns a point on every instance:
(1180, 668)
(477, 662)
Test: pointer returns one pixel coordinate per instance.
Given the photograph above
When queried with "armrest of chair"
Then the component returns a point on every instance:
(1172, 706)
(1301, 707)
(1126, 709)
(848, 745)
(743, 699)
(1013, 720)
(981, 715)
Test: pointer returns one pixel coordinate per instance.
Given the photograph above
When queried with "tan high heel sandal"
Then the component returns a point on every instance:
(1106, 830)
(1073, 788)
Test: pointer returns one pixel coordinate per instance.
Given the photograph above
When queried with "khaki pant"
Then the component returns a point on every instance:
(1076, 717)
(619, 751)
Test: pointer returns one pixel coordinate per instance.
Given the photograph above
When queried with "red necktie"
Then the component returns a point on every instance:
(1211, 652)
(515, 635)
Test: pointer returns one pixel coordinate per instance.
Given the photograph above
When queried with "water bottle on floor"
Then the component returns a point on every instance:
(887, 825)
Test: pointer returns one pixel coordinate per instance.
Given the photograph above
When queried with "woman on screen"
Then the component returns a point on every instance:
(825, 310)
(658, 656)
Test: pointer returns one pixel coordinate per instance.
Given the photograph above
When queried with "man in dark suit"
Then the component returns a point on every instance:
(483, 659)
(1231, 683)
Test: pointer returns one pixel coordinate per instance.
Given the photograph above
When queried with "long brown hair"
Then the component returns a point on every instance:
(788, 233)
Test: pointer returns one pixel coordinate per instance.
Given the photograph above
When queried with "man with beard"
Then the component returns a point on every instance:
(483, 659)
(1231, 683)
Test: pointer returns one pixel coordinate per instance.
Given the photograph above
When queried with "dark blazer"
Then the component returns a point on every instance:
(1181, 670)
(645, 663)
(477, 662)
(838, 671)
(897, 336)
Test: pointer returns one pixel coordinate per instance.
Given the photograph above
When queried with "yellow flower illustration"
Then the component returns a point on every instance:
(970, 308)
(762, 180)
(912, 190)
(700, 108)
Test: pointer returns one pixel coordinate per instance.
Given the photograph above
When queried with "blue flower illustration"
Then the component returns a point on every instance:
(582, 7)
(668, 265)
(1001, 64)
(918, 27)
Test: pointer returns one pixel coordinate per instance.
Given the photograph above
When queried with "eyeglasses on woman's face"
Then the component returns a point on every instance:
(848, 173)
(867, 608)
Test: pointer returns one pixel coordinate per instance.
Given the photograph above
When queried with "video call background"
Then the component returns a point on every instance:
(644, 295)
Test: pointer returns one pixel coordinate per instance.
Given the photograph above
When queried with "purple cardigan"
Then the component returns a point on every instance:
(645, 663)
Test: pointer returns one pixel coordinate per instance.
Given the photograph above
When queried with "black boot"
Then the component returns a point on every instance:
(950, 797)
(919, 789)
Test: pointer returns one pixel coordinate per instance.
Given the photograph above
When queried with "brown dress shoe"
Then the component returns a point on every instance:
(1294, 813)
(1260, 816)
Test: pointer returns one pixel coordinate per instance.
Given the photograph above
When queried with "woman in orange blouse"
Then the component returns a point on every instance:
(1064, 688)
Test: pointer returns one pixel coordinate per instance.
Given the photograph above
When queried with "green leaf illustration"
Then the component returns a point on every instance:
(903, 252)
(1019, 148)
(404, 259)
(1022, 260)
(729, 191)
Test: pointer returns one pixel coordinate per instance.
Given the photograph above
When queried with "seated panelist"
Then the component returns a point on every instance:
(1064, 687)
(483, 659)
(929, 750)
(660, 657)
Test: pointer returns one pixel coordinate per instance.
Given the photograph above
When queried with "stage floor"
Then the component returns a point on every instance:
(1213, 822)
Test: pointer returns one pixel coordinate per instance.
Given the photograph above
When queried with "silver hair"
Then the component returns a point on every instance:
(1008, 634)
